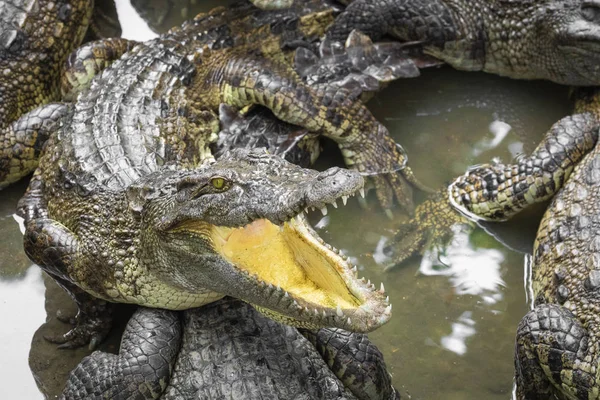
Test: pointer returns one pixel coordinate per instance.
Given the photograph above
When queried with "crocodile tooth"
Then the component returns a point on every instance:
(355, 270)
(270, 285)
(387, 300)
(382, 289)
(316, 312)
(306, 210)
(388, 309)
(306, 310)
(286, 294)
(389, 213)
(295, 303)
(324, 210)
(334, 204)
(278, 288)
(363, 279)
(344, 199)
(349, 321)
(369, 282)
(362, 192)
(312, 208)
(339, 312)
(324, 314)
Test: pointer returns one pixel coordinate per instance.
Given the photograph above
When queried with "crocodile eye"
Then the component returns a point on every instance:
(590, 12)
(218, 183)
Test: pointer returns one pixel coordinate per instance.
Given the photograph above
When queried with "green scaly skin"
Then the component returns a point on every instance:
(106, 209)
(35, 39)
(271, 360)
(230, 33)
(556, 40)
(557, 342)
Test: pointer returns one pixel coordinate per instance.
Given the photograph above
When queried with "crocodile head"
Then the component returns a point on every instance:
(571, 28)
(237, 227)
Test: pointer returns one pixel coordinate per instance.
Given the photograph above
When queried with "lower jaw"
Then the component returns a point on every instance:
(308, 282)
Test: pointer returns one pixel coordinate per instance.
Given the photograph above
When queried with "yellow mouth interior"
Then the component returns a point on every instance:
(289, 257)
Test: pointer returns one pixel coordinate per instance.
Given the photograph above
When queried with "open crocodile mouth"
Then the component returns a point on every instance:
(303, 280)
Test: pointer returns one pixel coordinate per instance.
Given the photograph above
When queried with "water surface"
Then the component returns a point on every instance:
(454, 314)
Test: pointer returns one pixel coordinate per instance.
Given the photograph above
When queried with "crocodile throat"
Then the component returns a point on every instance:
(290, 257)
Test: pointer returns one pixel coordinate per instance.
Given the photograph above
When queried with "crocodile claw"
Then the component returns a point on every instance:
(88, 330)
(431, 226)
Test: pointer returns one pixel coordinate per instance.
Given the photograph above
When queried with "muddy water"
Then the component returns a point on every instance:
(455, 313)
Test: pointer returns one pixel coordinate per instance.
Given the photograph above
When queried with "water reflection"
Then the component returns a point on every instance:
(22, 311)
(499, 129)
(470, 270)
(461, 330)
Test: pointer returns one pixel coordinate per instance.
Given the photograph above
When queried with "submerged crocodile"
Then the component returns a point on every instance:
(558, 40)
(226, 350)
(558, 341)
(125, 208)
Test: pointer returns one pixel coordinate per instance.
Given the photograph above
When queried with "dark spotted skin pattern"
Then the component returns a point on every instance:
(35, 39)
(147, 355)
(227, 350)
(524, 39)
(558, 341)
(155, 107)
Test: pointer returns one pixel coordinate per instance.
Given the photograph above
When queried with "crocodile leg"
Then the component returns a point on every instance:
(22, 141)
(553, 349)
(87, 61)
(356, 362)
(52, 246)
(497, 191)
(142, 368)
(407, 20)
(240, 80)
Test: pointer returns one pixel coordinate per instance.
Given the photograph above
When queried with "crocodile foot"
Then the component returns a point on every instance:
(358, 60)
(89, 328)
(430, 227)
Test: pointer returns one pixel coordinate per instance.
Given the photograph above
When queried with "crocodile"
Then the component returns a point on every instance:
(126, 203)
(227, 350)
(556, 353)
(36, 38)
(557, 40)
(243, 28)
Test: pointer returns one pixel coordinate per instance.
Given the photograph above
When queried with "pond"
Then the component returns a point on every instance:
(454, 314)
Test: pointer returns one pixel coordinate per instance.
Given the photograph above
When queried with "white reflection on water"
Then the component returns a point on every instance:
(499, 129)
(470, 270)
(461, 330)
(27, 296)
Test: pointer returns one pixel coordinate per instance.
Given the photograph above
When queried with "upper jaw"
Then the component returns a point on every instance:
(326, 188)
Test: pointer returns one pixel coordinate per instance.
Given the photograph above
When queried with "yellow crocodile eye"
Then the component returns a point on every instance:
(218, 183)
